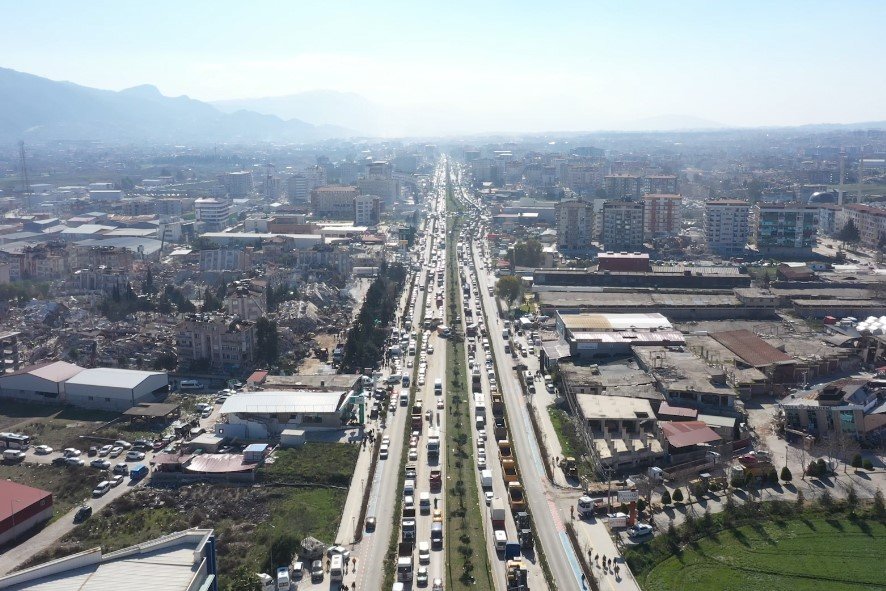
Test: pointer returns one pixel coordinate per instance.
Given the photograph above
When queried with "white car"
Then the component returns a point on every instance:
(134, 456)
(481, 461)
(640, 530)
(488, 497)
(424, 553)
(105, 450)
(413, 455)
(123, 444)
(439, 404)
(116, 451)
(42, 450)
(70, 452)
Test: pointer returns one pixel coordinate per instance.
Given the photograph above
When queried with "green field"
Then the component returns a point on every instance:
(796, 554)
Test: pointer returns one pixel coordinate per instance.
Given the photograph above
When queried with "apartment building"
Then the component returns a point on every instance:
(726, 226)
(238, 184)
(662, 214)
(212, 214)
(367, 210)
(623, 186)
(785, 229)
(623, 225)
(334, 202)
(661, 184)
(575, 224)
(218, 338)
(224, 259)
(870, 221)
(300, 185)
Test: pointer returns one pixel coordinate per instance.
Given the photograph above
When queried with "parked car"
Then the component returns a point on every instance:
(60, 461)
(105, 450)
(101, 489)
(117, 480)
(14, 455)
(123, 444)
(92, 452)
(75, 462)
(640, 530)
(100, 463)
(42, 450)
(70, 452)
(370, 524)
(134, 456)
(83, 513)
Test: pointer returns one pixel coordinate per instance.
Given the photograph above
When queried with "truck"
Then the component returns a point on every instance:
(416, 416)
(436, 535)
(504, 450)
(497, 513)
(498, 406)
(509, 470)
(501, 430)
(404, 562)
(486, 478)
(476, 383)
(408, 526)
(283, 580)
(516, 498)
(433, 443)
(138, 472)
(570, 467)
(524, 529)
(517, 578)
(501, 540)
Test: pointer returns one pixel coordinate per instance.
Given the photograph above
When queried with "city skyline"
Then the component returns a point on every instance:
(479, 68)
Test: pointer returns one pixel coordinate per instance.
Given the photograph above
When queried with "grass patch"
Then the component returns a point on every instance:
(765, 548)
(53, 425)
(317, 463)
(569, 441)
(69, 486)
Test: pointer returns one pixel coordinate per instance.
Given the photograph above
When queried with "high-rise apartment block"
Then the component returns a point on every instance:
(575, 224)
(300, 184)
(623, 186)
(726, 226)
(663, 214)
(212, 214)
(220, 339)
(367, 210)
(662, 184)
(785, 229)
(239, 184)
(334, 202)
(623, 225)
(870, 221)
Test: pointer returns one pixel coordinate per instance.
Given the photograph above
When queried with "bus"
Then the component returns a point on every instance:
(14, 441)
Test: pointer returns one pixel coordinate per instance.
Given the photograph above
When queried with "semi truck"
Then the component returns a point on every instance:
(404, 562)
(509, 471)
(516, 498)
(416, 416)
(524, 529)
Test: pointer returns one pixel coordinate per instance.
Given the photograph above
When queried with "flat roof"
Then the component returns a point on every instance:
(169, 563)
(283, 401)
(152, 409)
(750, 348)
(601, 406)
(320, 380)
(596, 322)
(112, 377)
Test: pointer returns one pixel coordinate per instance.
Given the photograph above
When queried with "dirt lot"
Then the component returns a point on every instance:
(69, 486)
(311, 364)
(56, 426)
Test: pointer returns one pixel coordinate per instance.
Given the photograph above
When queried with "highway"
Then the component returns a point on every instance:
(547, 521)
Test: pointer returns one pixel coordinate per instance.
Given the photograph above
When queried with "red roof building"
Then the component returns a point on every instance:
(683, 435)
(21, 509)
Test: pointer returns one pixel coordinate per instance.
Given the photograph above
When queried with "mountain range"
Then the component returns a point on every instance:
(38, 109)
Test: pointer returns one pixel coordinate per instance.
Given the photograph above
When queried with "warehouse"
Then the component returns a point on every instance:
(43, 382)
(23, 509)
(115, 389)
(265, 415)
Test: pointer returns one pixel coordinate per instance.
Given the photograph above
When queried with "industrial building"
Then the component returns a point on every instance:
(623, 429)
(22, 508)
(265, 415)
(181, 561)
(598, 336)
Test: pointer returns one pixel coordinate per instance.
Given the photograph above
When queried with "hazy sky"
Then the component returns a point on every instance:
(480, 65)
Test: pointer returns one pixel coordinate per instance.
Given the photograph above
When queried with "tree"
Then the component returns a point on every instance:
(868, 465)
(244, 579)
(210, 302)
(801, 498)
(879, 507)
(678, 495)
(528, 254)
(856, 461)
(666, 498)
(266, 341)
(851, 500)
(148, 284)
(849, 233)
(786, 475)
(509, 288)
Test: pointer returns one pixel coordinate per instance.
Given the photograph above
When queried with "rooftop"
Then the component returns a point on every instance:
(110, 377)
(595, 406)
(285, 401)
(687, 433)
(750, 348)
(53, 371)
(596, 322)
(17, 497)
(312, 381)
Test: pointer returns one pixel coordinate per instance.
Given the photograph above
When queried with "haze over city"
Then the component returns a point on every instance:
(468, 67)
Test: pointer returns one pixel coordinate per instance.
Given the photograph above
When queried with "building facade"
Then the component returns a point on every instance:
(623, 225)
(219, 338)
(575, 224)
(662, 215)
(623, 186)
(870, 221)
(238, 184)
(367, 210)
(726, 226)
(785, 229)
(212, 214)
(334, 202)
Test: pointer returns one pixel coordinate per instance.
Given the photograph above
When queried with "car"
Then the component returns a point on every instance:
(385, 440)
(116, 451)
(135, 456)
(481, 461)
(105, 450)
(14, 455)
(83, 513)
(70, 452)
(141, 444)
(413, 455)
(92, 452)
(440, 404)
(424, 552)
(60, 461)
(75, 462)
(42, 450)
(317, 571)
(437, 585)
(123, 444)
(438, 516)
(383, 452)
(421, 576)
(640, 530)
(488, 496)
(392, 407)
(346, 554)
(101, 488)
(117, 480)
(100, 463)
(370, 523)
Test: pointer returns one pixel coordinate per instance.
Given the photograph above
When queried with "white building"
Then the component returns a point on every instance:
(181, 561)
(575, 224)
(239, 184)
(44, 382)
(265, 415)
(212, 213)
(115, 389)
(726, 226)
(367, 210)
(334, 202)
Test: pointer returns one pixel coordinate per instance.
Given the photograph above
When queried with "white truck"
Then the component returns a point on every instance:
(434, 443)
(486, 478)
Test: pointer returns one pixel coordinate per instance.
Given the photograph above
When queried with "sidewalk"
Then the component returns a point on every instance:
(354, 503)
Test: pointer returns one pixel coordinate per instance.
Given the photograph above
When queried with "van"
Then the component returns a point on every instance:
(283, 582)
(501, 540)
(317, 571)
(409, 487)
(190, 385)
(101, 488)
(13, 455)
(336, 568)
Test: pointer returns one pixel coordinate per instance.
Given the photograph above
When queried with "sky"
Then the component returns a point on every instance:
(479, 66)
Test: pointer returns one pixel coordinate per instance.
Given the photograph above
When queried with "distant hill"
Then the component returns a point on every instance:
(320, 107)
(38, 109)
(672, 123)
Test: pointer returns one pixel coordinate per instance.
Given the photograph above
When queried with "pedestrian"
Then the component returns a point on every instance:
(572, 512)
(583, 578)
(616, 571)
(597, 559)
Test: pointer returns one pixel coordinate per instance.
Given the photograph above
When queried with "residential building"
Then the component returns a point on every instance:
(334, 202)
(626, 187)
(575, 224)
(726, 226)
(220, 339)
(224, 259)
(212, 214)
(367, 210)
(623, 225)
(662, 214)
(870, 221)
(665, 184)
(300, 185)
(238, 184)
(182, 561)
(379, 180)
(785, 229)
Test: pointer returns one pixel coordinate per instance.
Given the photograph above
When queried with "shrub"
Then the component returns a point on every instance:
(641, 505)
(856, 461)
(666, 497)
(868, 465)
(738, 480)
(826, 500)
(879, 507)
(813, 469)
(822, 467)
(851, 500)
(786, 474)
(678, 495)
